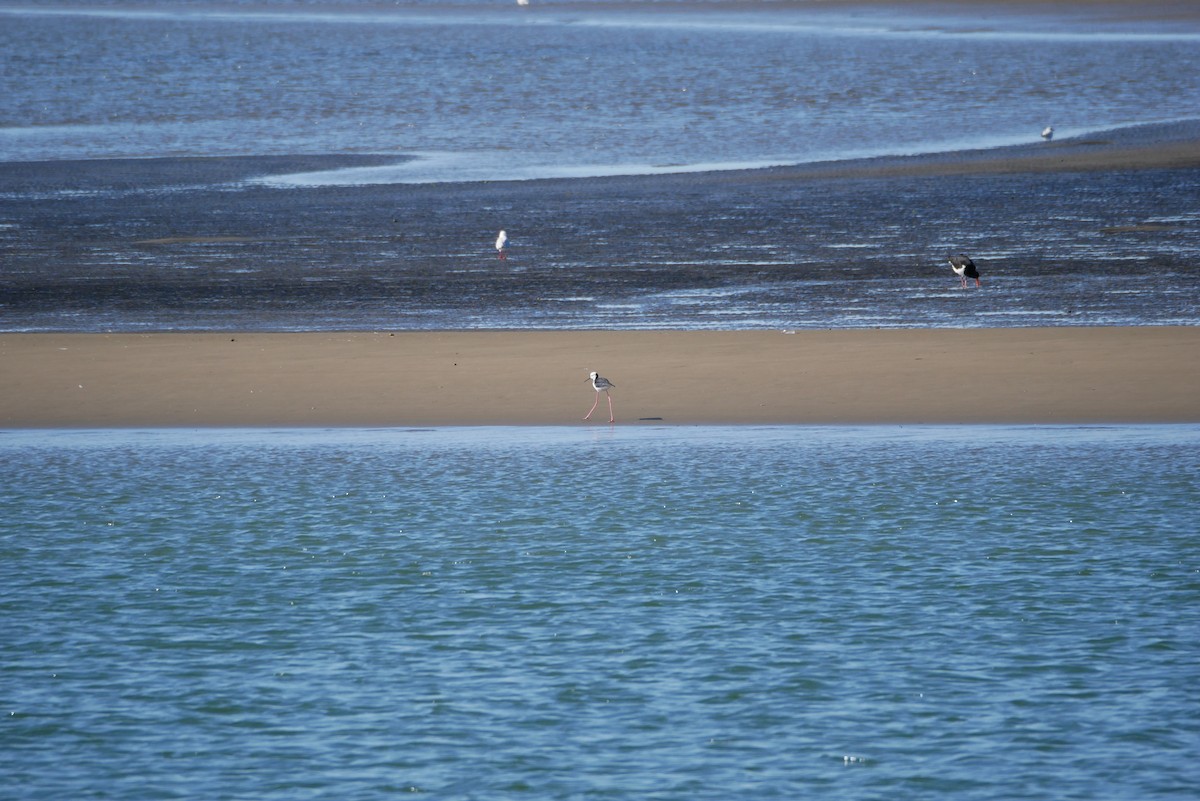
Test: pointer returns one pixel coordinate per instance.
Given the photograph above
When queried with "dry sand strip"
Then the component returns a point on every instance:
(1021, 375)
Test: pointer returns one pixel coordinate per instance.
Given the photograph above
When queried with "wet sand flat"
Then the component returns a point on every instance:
(837, 244)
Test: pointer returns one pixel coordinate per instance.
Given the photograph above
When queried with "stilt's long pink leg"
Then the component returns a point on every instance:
(594, 405)
(611, 419)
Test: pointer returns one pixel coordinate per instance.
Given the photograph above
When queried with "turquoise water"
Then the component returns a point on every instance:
(618, 613)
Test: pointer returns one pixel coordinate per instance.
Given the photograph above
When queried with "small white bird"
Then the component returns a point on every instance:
(601, 384)
(1048, 132)
(964, 268)
(500, 240)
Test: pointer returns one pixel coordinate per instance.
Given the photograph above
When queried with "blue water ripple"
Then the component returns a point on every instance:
(670, 613)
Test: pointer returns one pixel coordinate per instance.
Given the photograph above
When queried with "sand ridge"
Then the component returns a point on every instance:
(409, 378)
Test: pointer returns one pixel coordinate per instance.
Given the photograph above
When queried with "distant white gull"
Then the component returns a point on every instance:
(500, 240)
(1048, 132)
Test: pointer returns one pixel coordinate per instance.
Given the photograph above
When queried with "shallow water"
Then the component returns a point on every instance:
(675, 613)
(497, 92)
(434, 97)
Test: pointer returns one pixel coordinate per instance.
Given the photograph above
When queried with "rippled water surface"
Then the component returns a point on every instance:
(495, 91)
(293, 165)
(901, 613)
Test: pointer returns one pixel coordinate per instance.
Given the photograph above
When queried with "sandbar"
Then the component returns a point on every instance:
(1057, 375)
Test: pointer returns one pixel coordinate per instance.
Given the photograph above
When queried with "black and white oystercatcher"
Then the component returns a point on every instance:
(964, 268)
